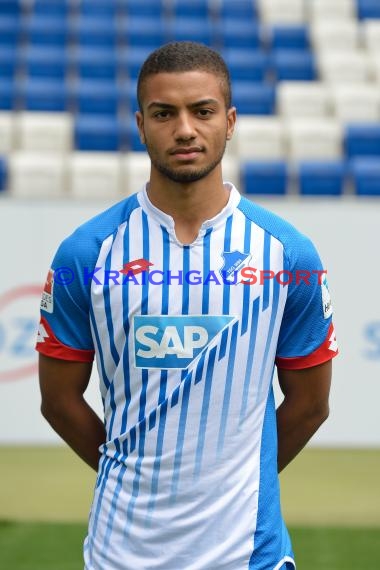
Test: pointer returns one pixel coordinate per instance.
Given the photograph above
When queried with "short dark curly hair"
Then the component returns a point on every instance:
(177, 57)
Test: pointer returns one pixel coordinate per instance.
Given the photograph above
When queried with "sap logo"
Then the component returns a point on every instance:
(174, 342)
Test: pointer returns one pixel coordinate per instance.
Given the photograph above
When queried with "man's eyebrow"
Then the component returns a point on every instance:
(201, 103)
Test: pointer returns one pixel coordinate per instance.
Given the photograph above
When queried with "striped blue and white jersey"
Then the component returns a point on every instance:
(186, 338)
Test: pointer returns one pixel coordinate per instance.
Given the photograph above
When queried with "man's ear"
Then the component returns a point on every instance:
(231, 121)
(140, 125)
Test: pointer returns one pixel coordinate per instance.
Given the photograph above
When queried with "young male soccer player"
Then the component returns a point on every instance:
(188, 294)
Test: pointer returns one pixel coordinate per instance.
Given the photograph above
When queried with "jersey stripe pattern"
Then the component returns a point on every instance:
(185, 351)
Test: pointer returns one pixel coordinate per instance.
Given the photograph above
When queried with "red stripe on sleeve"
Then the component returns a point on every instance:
(49, 345)
(326, 351)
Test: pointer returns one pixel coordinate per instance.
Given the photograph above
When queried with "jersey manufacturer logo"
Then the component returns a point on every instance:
(47, 300)
(233, 262)
(169, 342)
(42, 333)
(135, 267)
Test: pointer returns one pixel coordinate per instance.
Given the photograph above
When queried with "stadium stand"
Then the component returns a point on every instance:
(305, 75)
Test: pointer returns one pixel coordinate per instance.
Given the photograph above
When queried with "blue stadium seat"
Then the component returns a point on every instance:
(9, 30)
(365, 172)
(290, 37)
(193, 9)
(144, 32)
(8, 61)
(95, 97)
(130, 60)
(43, 95)
(297, 65)
(3, 173)
(191, 29)
(7, 94)
(254, 98)
(129, 96)
(321, 178)
(95, 63)
(368, 9)
(238, 34)
(246, 64)
(11, 7)
(95, 31)
(264, 177)
(105, 9)
(37, 61)
(362, 140)
(60, 8)
(46, 30)
(133, 142)
(155, 8)
(244, 10)
(98, 133)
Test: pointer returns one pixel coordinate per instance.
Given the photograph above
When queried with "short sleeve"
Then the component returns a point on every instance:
(64, 330)
(307, 336)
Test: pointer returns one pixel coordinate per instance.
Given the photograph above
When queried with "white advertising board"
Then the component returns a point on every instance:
(345, 232)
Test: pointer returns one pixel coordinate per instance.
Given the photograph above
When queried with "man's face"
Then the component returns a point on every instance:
(184, 123)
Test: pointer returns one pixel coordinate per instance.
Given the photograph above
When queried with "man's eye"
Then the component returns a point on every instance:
(162, 115)
(204, 112)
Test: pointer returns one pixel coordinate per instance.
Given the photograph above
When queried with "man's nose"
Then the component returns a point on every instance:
(185, 127)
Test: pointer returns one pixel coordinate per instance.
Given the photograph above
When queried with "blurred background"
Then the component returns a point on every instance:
(306, 84)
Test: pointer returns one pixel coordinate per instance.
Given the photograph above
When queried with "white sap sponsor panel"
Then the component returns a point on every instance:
(176, 341)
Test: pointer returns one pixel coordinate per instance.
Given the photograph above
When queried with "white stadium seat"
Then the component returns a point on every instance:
(345, 66)
(331, 9)
(314, 139)
(94, 175)
(371, 35)
(231, 170)
(303, 99)
(44, 131)
(358, 103)
(135, 172)
(36, 174)
(7, 138)
(274, 12)
(260, 137)
(335, 35)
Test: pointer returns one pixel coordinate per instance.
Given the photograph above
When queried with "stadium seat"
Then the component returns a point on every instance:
(57, 8)
(371, 33)
(132, 136)
(146, 32)
(191, 29)
(375, 63)
(3, 173)
(46, 31)
(8, 61)
(335, 35)
(293, 65)
(264, 177)
(231, 170)
(345, 67)
(44, 132)
(362, 140)
(98, 133)
(9, 30)
(303, 99)
(94, 175)
(39, 62)
(281, 11)
(326, 178)
(93, 97)
(368, 9)
(314, 139)
(34, 174)
(365, 173)
(99, 8)
(258, 138)
(7, 132)
(95, 63)
(193, 9)
(326, 10)
(246, 65)
(289, 37)
(356, 102)
(135, 171)
(254, 98)
(11, 7)
(130, 59)
(95, 32)
(43, 95)
(240, 34)
(244, 10)
(155, 8)
(7, 94)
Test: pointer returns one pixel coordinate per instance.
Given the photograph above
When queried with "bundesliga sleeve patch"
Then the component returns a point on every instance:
(47, 300)
(326, 299)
